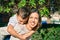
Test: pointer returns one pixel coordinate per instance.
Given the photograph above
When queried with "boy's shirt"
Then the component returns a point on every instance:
(13, 20)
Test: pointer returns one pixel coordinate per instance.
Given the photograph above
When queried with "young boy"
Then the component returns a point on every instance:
(20, 18)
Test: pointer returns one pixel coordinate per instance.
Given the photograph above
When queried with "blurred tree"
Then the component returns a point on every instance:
(7, 5)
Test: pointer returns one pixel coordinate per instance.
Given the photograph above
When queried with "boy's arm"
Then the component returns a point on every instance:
(28, 34)
(11, 30)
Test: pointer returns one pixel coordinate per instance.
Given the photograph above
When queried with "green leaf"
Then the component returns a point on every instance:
(7, 10)
(1, 9)
(44, 11)
(21, 3)
(41, 2)
(32, 3)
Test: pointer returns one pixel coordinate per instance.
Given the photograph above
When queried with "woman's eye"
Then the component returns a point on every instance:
(36, 18)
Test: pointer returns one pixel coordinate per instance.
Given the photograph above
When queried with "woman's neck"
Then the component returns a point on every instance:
(28, 27)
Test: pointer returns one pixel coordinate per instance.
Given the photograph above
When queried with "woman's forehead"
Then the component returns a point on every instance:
(34, 14)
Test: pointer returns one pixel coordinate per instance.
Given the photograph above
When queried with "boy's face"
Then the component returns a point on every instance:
(21, 20)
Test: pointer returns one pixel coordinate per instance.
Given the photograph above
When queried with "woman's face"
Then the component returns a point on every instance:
(33, 19)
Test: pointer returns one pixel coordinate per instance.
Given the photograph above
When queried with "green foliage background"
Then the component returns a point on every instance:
(6, 6)
(47, 32)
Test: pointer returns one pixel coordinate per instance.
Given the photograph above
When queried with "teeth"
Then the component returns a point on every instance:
(32, 23)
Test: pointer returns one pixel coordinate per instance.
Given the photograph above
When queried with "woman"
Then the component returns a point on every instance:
(28, 29)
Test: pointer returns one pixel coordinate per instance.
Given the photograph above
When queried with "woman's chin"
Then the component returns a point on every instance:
(32, 26)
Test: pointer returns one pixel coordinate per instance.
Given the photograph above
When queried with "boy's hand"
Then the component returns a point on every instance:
(23, 37)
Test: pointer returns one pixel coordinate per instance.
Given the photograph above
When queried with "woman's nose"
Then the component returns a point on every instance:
(33, 20)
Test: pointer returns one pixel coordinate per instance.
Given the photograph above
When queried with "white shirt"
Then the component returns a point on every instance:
(21, 29)
(18, 27)
(13, 20)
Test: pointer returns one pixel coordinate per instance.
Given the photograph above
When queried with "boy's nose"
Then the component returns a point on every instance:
(21, 22)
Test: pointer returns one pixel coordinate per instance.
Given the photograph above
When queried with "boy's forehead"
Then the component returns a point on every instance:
(21, 18)
(24, 18)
